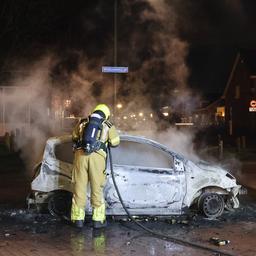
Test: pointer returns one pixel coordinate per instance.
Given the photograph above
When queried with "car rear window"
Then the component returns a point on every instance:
(64, 152)
(141, 154)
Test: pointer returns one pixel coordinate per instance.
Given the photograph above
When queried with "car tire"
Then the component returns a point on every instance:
(211, 205)
(59, 204)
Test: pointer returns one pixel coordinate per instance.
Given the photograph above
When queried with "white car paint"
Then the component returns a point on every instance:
(145, 190)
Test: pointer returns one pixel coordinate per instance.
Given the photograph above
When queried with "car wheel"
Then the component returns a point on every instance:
(59, 204)
(211, 205)
(229, 204)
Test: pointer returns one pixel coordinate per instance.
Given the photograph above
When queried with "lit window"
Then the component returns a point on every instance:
(220, 111)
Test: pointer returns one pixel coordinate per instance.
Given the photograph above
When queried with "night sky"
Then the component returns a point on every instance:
(214, 31)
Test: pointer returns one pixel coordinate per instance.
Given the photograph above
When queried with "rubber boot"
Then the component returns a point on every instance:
(77, 216)
(78, 223)
(99, 217)
(99, 224)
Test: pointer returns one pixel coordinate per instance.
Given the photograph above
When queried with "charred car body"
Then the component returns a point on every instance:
(152, 180)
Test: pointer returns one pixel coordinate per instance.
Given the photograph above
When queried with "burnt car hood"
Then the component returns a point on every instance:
(209, 175)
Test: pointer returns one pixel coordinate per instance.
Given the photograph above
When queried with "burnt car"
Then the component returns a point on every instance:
(153, 181)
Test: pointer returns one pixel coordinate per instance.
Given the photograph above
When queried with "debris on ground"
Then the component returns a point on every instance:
(218, 241)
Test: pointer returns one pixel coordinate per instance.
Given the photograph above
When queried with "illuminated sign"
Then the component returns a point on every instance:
(252, 107)
(253, 103)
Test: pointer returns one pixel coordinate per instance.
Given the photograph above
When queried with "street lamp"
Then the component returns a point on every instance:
(119, 105)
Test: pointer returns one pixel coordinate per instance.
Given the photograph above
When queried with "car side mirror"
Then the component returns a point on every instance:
(178, 165)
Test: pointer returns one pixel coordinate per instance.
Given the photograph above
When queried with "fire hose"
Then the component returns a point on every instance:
(154, 233)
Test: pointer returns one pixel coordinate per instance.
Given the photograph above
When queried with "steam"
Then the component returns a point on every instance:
(161, 71)
(149, 44)
(178, 141)
(27, 108)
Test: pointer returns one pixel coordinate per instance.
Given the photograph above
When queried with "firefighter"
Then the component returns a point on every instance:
(91, 136)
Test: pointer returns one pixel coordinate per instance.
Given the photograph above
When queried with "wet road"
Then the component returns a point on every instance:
(26, 233)
(23, 233)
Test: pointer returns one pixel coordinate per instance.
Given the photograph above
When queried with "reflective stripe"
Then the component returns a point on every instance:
(99, 213)
(93, 132)
(108, 124)
(77, 213)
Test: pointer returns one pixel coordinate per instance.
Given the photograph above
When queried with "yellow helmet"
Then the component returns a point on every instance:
(103, 108)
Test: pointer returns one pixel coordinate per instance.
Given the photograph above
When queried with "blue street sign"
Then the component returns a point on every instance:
(108, 69)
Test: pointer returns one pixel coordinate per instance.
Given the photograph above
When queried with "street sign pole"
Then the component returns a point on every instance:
(115, 58)
(114, 70)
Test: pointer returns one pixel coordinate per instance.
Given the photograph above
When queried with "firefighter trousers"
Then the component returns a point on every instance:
(87, 169)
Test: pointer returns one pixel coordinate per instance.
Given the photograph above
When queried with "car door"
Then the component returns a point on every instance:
(147, 180)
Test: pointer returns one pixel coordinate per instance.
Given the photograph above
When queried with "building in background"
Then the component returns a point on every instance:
(235, 109)
(211, 112)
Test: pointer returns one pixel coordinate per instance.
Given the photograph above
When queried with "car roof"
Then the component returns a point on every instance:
(145, 140)
(53, 141)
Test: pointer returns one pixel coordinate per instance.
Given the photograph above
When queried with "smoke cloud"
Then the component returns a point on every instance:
(27, 108)
(147, 41)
